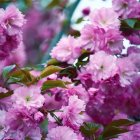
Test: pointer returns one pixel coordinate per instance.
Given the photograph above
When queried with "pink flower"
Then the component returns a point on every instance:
(21, 123)
(29, 97)
(92, 37)
(3, 90)
(105, 18)
(127, 8)
(62, 133)
(126, 70)
(38, 116)
(96, 39)
(12, 20)
(134, 37)
(2, 123)
(18, 56)
(67, 50)
(102, 66)
(78, 90)
(2, 64)
(71, 114)
(113, 42)
(20, 118)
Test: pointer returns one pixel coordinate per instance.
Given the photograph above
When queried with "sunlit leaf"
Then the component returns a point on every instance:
(50, 70)
(39, 67)
(53, 62)
(22, 76)
(53, 3)
(53, 84)
(7, 69)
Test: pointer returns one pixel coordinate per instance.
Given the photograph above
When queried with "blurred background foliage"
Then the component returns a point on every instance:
(47, 22)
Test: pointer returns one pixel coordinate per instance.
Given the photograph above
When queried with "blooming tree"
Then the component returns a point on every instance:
(88, 90)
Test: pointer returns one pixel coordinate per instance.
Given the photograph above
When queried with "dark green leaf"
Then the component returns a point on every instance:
(116, 127)
(100, 138)
(113, 132)
(131, 22)
(89, 129)
(71, 72)
(83, 59)
(79, 20)
(121, 122)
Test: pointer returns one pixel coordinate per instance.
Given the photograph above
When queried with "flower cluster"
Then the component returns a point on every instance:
(88, 83)
(128, 9)
(11, 22)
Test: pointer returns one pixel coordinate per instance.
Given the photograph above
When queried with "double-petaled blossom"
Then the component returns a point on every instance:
(29, 97)
(127, 8)
(72, 114)
(62, 133)
(126, 70)
(11, 22)
(22, 123)
(102, 66)
(96, 39)
(105, 18)
(67, 50)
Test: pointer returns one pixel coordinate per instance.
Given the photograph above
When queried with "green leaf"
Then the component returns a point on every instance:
(100, 138)
(83, 59)
(89, 129)
(137, 25)
(4, 95)
(7, 70)
(44, 126)
(39, 67)
(113, 132)
(116, 127)
(53, 3)
(71, 72)
(28, 2)
(53, 62)
(53, 84)
(79, 20)
(131, 22)
(50, 70)
(22, 76)
(121, 122)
